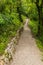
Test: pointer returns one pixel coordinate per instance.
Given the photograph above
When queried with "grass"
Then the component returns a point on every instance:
(39, 44)
(39, 40)
(2, 48)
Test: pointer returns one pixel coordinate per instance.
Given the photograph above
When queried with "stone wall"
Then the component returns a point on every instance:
(10, 50)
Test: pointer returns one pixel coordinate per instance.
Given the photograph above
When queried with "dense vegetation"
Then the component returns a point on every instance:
(12, 14)
(9, 22)
(36, 21)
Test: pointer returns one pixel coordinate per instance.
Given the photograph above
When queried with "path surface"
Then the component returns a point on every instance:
(27, 52)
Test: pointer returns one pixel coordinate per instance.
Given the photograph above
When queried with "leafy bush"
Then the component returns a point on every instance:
(34, 26)
(9, 22)
(39, 44)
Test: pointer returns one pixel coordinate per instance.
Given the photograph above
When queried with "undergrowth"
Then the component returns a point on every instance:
(34, 28)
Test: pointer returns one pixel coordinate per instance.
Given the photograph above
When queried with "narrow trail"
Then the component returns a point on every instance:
(27, 52)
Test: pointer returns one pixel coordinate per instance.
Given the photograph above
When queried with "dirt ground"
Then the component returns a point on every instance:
(27, 52)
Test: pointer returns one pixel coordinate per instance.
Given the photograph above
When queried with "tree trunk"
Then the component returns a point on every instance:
(40, 20)
(40, 16)
(39, 9)
(39, 31)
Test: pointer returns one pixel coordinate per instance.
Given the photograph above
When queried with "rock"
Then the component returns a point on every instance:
(8, 54)
(1, 62)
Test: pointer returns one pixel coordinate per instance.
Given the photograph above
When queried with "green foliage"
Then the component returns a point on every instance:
(9, 22)
(2, 48)
(39, 44)
(34, 26)
(30, 9)
(10, 19)
(33, 14)
(39, 40)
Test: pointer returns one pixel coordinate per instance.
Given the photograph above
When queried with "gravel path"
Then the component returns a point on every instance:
(27, 52)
